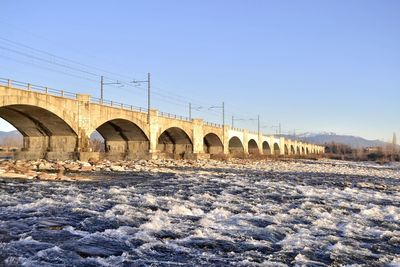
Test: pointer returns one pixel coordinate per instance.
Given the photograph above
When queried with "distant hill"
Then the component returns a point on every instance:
(14, 133)
(353, 141)
(13, 136)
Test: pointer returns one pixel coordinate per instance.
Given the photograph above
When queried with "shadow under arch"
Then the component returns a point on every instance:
(44, 133)
(266, 148)
(175, 142)
(123, 137)
(277, 149)
(212, 144)
(253, 147)
(236, 147)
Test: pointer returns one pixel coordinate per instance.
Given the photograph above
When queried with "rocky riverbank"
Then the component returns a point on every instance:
(77, 170)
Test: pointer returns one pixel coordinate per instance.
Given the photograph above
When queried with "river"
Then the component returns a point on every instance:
(222, 218)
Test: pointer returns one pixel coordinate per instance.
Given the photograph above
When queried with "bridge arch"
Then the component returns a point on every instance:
(286, 150)
(213, 144)
(277, 149)
(302, 150)
(123, 136)
(175, 141)
(292, 151)
(34, 104)
(253, 147)
(298, 150)
(266, 148)
(235, 146)
(138, 122)
(42, 130)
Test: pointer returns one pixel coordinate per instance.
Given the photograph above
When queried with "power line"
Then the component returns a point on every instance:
(47, 61)
(188, 100)
(55, 43)
(67, 66)
(175, 99)
(49, 69)
(62, 58)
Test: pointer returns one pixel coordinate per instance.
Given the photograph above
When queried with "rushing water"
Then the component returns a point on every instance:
(223, 218)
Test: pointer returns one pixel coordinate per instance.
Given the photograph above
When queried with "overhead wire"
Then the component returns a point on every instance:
(167, 96)
(178, 99)
(62, 58)
(37, 36)
(45, 68)
(228, 112)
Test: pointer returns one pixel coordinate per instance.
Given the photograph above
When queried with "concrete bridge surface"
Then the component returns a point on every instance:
(57, 125)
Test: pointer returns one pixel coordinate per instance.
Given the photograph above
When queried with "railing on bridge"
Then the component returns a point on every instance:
(37, 88)
(212, 124)
(115, 104)
(237, 129)
(173, 116)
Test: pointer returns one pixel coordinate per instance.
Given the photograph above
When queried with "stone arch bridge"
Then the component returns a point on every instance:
(57, 125)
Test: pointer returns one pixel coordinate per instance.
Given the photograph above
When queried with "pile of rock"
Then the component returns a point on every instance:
(42, 169)
(69, 170)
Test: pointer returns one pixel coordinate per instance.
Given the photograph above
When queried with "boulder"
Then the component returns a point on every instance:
(117, 168)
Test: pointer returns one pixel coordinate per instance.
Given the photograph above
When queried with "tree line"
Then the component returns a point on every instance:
(381, 154)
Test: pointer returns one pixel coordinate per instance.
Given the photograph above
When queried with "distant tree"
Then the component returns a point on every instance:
(11, 142)
(96, 145)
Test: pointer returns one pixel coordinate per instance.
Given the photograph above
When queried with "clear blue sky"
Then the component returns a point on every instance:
(311, 65)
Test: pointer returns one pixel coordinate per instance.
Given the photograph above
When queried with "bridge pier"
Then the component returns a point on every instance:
(153, 131)
(62, 148)
(34, 147)
(245, 142)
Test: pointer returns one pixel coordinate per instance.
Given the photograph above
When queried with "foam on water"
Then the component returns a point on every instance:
(177, 209)
(244, 216)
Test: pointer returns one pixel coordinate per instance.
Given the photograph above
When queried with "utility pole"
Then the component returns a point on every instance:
(148, 97)
(190, 111)
(192, 107)
(280, 129)
(101, 87)
(223, 122)
(223, 114)
(277, 129)
(258, 123)
(235, 119)
(102, 83)
(148, 94)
